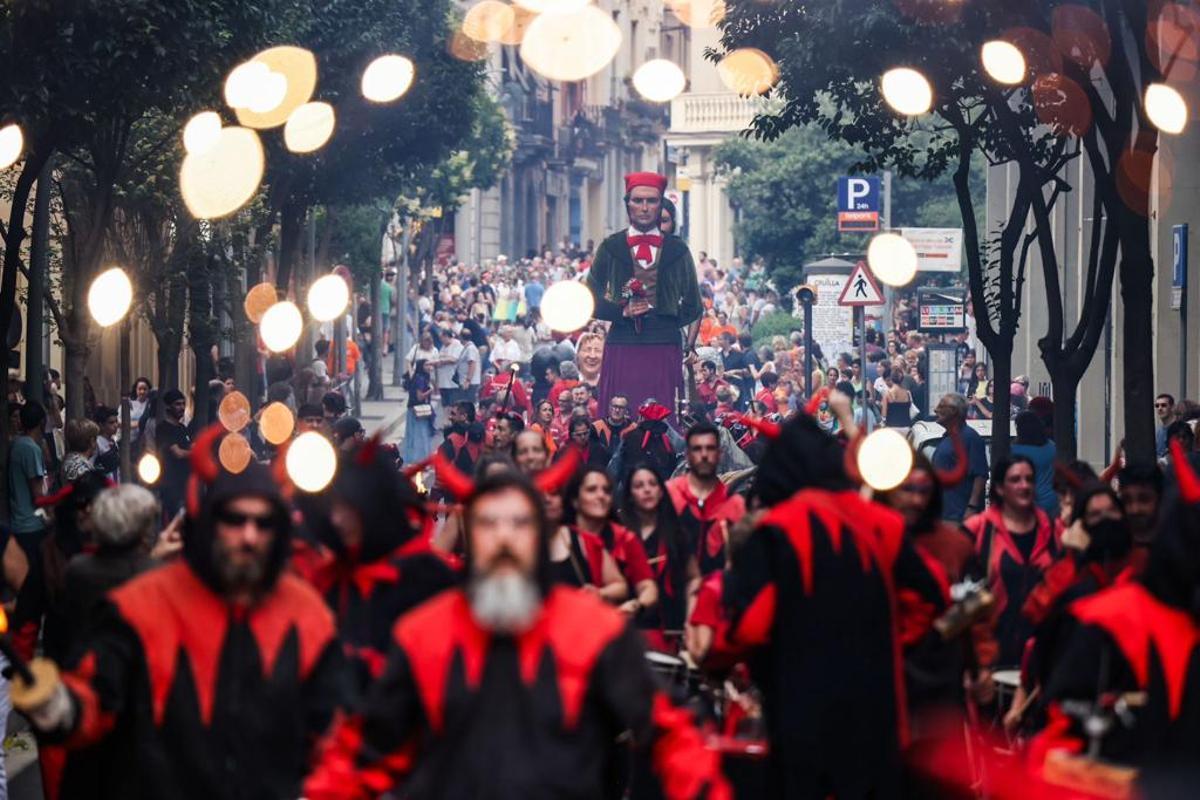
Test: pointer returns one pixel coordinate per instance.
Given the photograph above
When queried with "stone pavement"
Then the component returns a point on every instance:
(386, 413)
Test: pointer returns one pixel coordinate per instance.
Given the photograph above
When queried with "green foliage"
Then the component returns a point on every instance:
(787, 191)
(780, 323)
(355, 237)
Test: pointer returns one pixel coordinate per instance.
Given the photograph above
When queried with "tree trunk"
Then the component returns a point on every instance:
(1137, 289)
(39, 267)
(76, 353)
(1065, 385)
(374, 352)
(291, 242)
(201, 330)
(167, 359)
(1002, 379)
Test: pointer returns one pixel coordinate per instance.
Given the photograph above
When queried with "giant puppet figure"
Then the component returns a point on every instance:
(644, 283)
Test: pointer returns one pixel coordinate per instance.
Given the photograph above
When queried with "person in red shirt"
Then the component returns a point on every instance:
(708, 384)
(704, 505)
(766, 395)
(589, 500)
(509, 393)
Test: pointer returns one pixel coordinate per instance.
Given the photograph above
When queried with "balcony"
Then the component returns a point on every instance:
(713, 112)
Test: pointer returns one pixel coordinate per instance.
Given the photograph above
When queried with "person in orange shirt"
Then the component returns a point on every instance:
(353, 354)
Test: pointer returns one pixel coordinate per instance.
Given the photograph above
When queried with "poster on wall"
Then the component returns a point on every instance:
(938, 249)
(833, 325)
(941, 310)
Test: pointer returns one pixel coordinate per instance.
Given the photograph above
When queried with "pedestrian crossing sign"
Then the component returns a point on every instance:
(861, 289)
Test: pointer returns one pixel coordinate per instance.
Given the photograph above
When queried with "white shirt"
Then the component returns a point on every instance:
(451, 349)
(633, 250)
(506, 351)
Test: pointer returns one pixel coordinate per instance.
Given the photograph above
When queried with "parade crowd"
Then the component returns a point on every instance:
(637, 560)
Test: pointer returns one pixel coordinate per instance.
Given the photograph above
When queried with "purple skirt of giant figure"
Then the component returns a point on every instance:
(640, 372)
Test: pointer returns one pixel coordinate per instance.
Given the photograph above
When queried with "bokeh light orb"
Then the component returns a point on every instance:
(149, 469)
(276, 423)
(906, 91)
(109, 297)
(892, 259)
(659, 80)
(552, 6)
(522, 17)
(387, 78)
(246, 83)
(571, 46)
(1003, 61)
(202, 133)
(12, 143)
(567, 306)
(299, 70)
(219, 181)
(234, 411)
(1166, 108)
(884, 459)
(311, 462)
(488, 20)
(748, 71)
(309, 127)
(281, 326)
(698, 13)
(260, 297)
(328, 298)
(234, 453)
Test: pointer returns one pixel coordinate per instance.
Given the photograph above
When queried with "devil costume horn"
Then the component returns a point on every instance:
(556, 476)
(1189, 483)
(769, 430)
(955, 475)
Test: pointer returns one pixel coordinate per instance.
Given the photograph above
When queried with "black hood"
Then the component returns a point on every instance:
(1173, 573)
(392, 512)
(803, 456)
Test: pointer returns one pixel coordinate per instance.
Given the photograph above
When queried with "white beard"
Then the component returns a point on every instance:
(506, 602)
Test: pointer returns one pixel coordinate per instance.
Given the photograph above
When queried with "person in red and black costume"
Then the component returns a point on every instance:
(510, 687)
(589, 508)
(703, 503)
(213, 676)
(1137, 645)
(812, 592)
(375, 559)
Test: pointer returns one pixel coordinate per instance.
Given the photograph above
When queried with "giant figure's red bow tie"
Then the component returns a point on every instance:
(643, 243)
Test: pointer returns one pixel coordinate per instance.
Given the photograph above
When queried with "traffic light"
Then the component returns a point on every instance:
(806, 293)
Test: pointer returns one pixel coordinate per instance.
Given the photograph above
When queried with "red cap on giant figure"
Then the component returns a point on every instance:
(635, 179)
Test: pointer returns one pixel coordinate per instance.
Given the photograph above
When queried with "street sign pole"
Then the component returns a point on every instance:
(862, 372)
(1179, 240)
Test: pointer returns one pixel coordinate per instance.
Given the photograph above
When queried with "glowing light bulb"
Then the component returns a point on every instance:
(309, 127)
(907, 91)
(12, 143)
(1003, 61)
(149, 469)
(311, 462)
(884, 459)
(281, 326)
(387, 78)
(892, 258)
(109, 297)
(1166, 108)
(659, 80)
(567, 306)
(328, 298)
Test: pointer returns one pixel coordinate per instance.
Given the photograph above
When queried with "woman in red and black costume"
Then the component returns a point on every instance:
(812, 592)
(374, 558)
(1131, 655)
(578, 558)
(646, 509)
(512, 686)
(589, 509)
(1016, 542)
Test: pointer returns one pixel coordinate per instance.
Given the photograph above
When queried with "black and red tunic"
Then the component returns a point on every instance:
(367, 598)
(1127, 640)
(705, 522)
(814, 590)
(584, 564)
(461, 713)
(202, 699)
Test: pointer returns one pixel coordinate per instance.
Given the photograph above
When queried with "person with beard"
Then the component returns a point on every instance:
(589, 508)
(1128, 669)
(1098, 554)
(510, 686)
(646, 509)
(616, 424)
(173, 443)
(811, 595)
(212, 676)
(1141, 488)
(702, 501)
(651, 442)
(645, 285)
(377, 561)
(583, 437)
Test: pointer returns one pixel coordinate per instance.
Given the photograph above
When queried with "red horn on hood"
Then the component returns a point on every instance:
(1067, 476)
(1189, 483)
(955, 475)
(450, 477)
(769, 429)
(365, 456)
(1113, 468)
(552, 479)
(814, 404)
(204, 462)
(50, 500)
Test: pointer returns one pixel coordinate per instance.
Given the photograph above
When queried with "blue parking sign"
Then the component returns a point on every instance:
(858, 193)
